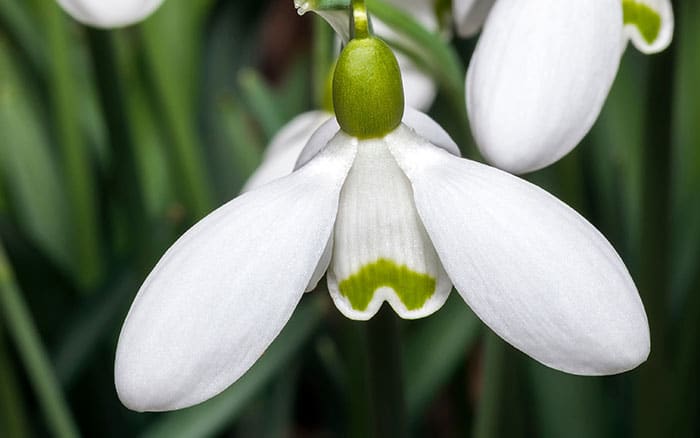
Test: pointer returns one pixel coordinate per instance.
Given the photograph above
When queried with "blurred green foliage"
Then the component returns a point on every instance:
(113, 142)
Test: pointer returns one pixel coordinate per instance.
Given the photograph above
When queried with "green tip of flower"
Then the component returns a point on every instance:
(647, 20)
(367, 89)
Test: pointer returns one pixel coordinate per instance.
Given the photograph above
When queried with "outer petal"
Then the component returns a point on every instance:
(469, 15)
(535, 271)
(225, 289)
(421, 123)
(649, 24)
(109, 13)
(285, 147)
(539, 77)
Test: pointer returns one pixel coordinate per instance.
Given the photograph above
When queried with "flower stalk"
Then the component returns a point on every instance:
(360, 20)
(386, 374)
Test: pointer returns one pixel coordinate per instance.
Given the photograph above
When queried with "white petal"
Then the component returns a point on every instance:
(421, 123)
(226, 288)
(430, 130)
(109, 13)
(419, 87)
(649, 24)
(539, 77)
(534, 270)
(285, 147)
(469, 15)
(318, 141)
(381, 251)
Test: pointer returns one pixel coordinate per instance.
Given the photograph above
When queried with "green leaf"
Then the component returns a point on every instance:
(36, 362)
(67, 97)
(171, 39)
(28, 168)
(13, 420)
(245, 149)
(262, 102)
(213, 416)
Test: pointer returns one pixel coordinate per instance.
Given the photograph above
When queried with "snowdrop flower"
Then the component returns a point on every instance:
(542, 70)
(109, 13)
(394, 215)
(419, 87)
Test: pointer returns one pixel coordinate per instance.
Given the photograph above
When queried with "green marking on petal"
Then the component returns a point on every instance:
(646, 19)
(411, 287)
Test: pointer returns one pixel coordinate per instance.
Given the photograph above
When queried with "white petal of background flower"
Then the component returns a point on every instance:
(535, 271)
(539, 77)
(285, 147)
(419, 87)
(377, 225)
(109, 13)
(469, 15)
(666, 24)
(226, 288)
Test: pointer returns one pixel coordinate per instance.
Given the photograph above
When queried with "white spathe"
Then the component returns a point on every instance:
(109, 13)
(533, 269)
(539, 77)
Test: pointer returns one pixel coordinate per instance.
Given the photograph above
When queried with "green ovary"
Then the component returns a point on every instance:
(646, 19)
(411, 287)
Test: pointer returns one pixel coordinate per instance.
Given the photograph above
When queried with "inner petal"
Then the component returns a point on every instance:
(381, 251)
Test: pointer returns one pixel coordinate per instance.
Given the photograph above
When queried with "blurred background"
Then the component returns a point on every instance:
(112, 143)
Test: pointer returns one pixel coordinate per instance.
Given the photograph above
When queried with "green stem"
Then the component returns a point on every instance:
(654, 274)
(386, 374)
(65, 107)
(13, 420)
(488, 413)
(36, 362)
(359, 24)
(686, 400)
(123, 180)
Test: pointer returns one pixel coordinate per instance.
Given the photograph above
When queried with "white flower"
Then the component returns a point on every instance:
(395, 219)
(109, 13)
(542, 70)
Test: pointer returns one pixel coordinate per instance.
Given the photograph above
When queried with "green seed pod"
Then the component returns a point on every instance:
(367, 89)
